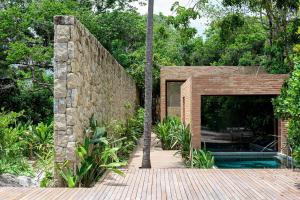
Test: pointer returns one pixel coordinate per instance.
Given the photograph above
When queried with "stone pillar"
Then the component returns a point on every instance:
(64, 96)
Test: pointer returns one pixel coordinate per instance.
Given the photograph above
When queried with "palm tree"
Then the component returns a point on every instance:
(146, 162)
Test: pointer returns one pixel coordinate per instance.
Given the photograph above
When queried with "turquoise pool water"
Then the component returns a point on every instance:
(248, 163)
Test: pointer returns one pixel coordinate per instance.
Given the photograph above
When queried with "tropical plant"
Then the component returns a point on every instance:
(12, 147)
(95, 154)
(39, 139)
(171, 132)
(287, 106)
(126, 134)
(296, 155)
(162, 131)
(182, 140)
(176, 135)
(201, 158)
(45, 166)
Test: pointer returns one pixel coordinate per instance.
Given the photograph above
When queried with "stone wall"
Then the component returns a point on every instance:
(88, 80)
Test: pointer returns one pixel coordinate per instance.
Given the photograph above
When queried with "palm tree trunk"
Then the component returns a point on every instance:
(146, 162)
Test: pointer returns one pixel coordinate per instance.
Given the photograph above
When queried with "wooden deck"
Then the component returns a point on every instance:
(177, 184)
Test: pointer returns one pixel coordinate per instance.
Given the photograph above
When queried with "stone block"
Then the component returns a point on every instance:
(75, 66)
(60, 122)
(61, 52)
(74, 98)
(60, 88)
(60, 70)
(71, 50)
(64, 20)
(62, 33)
(70, 151)
(73, 80)
(71, 116)
(60, 106)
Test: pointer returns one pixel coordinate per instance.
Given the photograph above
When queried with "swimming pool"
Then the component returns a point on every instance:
(248, 163)
(233, 160)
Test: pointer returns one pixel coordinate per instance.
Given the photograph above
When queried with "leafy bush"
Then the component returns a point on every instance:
(202, 158)
(12, 146)
(46, 165)
(182, 140)
(126, 133)
(22, 142)
(15, 165)
(39, 139)
(168, 131)
(287, 106)
(177, 136)
(95, 155)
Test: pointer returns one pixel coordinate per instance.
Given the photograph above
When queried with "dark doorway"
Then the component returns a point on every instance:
(238, 124)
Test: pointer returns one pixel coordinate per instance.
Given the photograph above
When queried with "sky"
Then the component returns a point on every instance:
(164, 6)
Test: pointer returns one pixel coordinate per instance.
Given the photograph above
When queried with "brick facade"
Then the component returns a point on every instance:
(183, 73)
(215, 81)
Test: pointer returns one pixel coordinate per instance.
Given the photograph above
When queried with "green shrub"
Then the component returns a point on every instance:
(287, 106)
(182, 140)
(177, 136)
(202, 158)
(12, 146)
(168, 132)
(46, 165)
(39, 139)
(127, 133)
(96, 154)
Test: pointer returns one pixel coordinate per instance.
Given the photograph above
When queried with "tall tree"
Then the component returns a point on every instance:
(146, 162)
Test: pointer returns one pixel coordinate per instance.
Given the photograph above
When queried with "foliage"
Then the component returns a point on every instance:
(278, 19)
(175, 135)
(166, 131)
(221, 112)
(45, 165)
(100, 152)
(15, 165)
(182, 139)
(39, 139)
(95, 155)
(287, 106)
(12, 147)
(126, 133)
(202, 158)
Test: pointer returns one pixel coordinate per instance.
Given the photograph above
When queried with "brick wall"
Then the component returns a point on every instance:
(88, 80)
(183, 73)
(217, 84)
(186, 93)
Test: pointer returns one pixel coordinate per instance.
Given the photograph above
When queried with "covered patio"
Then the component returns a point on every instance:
(182, 88)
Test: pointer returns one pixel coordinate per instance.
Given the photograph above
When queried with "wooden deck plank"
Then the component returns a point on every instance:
(209, 193)
(213, 184)
(242, 184)
(139, 186)
(187, 185)
(132, 183)
(169, 186)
